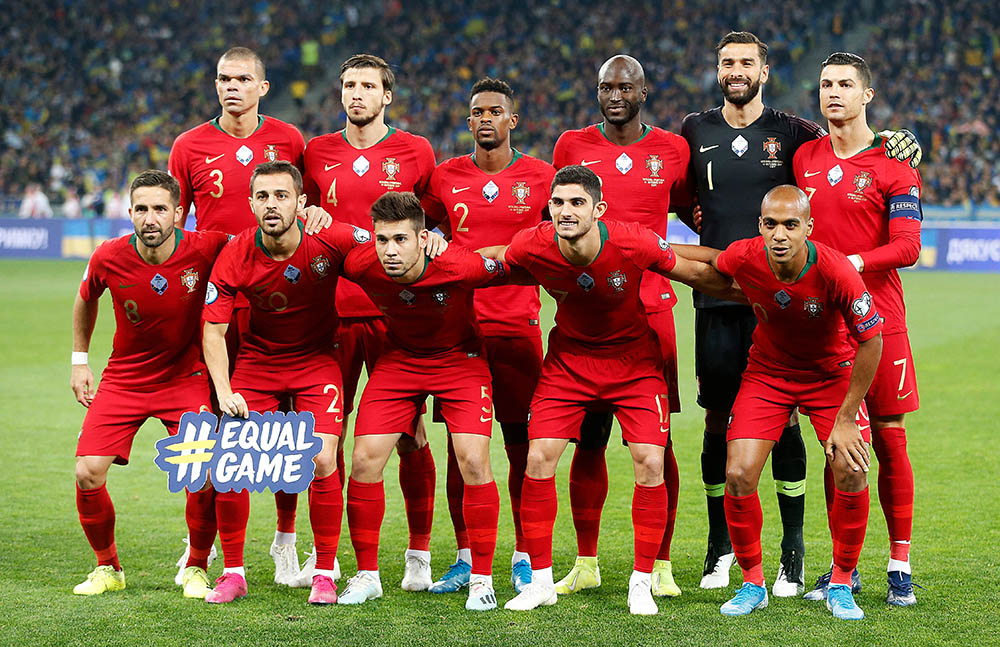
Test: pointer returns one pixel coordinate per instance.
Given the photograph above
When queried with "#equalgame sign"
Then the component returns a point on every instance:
(272, 450)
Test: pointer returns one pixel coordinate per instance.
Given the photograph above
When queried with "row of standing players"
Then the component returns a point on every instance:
(485, 197)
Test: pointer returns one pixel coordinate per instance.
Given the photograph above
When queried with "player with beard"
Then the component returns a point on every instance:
(345, 172)
(483, 199)
(640, 166)
(745, 149)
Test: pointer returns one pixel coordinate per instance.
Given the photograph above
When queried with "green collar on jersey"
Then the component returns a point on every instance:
(876, 143)
(178, 233)
(260, 122)
(601, 227)
(646, 129)
(390, 133)
(258, 239)
(810, 260)
(517, 155)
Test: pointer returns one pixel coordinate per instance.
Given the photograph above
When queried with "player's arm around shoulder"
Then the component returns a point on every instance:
(704, 277)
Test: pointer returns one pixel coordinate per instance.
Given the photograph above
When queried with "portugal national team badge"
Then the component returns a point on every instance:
(189, 279)
(292, 274)
(521, 191)
(271, 153)
(320, 266)
(813, 307)
(441, 297)
(862, 181)
(491, 191)
(740, 146)
(782, 299)
(244, 155)
(835, 175)
(623, 163)
(617, 280)
(654, 165)
(407, 297)
(585, 281)
(390, 167)
(159, 284)
(772, 147)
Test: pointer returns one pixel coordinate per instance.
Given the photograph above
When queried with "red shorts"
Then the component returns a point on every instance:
(313, 386)
(115, 415)
(360, 341)
(401, 382)
(629, 384)
(662, 323)
(894, 389)
(765, 401)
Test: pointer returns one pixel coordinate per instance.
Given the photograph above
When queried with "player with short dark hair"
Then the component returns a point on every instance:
(157, 278)
(641, 167)
(602, 356)
(815, 347)
(483, 199)
(869, 207)
(434, 348)
(345, 172)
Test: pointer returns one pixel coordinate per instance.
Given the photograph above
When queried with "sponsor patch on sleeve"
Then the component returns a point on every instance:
(869, 323)
(361, 236)
(905, 206)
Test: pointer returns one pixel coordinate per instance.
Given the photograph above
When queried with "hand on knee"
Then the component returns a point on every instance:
(847, 480)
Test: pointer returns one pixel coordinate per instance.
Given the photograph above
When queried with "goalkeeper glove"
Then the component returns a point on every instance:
(902, 145)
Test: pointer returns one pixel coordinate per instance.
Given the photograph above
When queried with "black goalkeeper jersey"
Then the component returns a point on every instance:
(733, 168)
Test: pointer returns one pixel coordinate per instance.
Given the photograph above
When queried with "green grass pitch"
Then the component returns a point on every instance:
(955, 328)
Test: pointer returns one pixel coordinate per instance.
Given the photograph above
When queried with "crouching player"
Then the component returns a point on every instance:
(435, 348)
(807, 299)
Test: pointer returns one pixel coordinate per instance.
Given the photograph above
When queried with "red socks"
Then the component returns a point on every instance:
(200, 515)
(416, 480)
(285, 505)
(365, 509)
(456, 489)
(895, 487)
(517, 457)
(588, 489)
(745, 520)
(326, 509)
(539, 505)
(849, 521)
(671, 479)
(97, 516)
(232, 511)
(648, 504)
(481, 509)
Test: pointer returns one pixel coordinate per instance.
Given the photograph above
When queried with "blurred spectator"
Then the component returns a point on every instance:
(34, 204)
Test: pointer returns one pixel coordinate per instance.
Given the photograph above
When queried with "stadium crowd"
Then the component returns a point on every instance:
(130, 77)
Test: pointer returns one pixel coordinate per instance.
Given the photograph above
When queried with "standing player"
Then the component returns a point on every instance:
(743, 148)
(157, 278)
(483, 199)
(869, 208)
(602, 356)
(434, 348)
(288, 352)
(640, 166)
(213, 163)
(345, 172)
(809, 304)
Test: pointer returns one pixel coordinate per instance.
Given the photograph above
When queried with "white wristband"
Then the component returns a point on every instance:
(78, 358)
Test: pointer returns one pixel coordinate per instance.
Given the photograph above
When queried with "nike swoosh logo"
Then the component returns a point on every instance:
(808, 174)
(905, 395)
(705, 149)
(209, 160)
(588, 163)
(327, 167)
(455, 189)
(123, 286)
(486, 419)
(663, 431)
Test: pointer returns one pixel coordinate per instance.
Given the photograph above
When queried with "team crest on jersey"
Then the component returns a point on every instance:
(654, 165)
(407, 297)
(521, 191)
(491, 191)
(390, 167)
(441, 297)
(292, 274)
(159, 284)
(320, 266)
(271, 153)
(862, 181)
(189, 279)
(772, 147)
(782, 299)
(617, 280)
(813, 307)
(585, 281)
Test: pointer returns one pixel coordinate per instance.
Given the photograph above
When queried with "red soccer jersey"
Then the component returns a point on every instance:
(484, 210)
(598, 304)
(435, 313)
(868, 205)
(803, 326)
(346, 181)
(638, 180)
(214, 169)
(157, 307)
(292, 311)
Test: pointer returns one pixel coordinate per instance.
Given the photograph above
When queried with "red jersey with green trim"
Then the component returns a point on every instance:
(637, 181)
(214, 169)
(599, 306)
(292, 312)
(803, 326)
(868, 205)
(483, 210)
(157, 307)
(435, 313)
(346, 181)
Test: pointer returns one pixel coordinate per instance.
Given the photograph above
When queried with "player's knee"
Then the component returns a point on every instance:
(540, 463)
(648, 468)
(741, 480)
(846, 479)
(89, 476)
(476, 471)
(326, 464)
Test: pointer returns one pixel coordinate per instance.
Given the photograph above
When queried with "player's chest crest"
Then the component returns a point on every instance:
(617, 280)
(654, 165)
(813, 307)
(862, 180)
(772, 147)
(320, 266)
(391, 167)
(189, 279)
(159, 284)
(440, 296)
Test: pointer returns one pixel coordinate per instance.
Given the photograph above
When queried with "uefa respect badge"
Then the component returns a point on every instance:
(272, 450)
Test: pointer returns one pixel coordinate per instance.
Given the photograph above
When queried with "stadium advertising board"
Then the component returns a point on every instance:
(960, 249)
(30, 238)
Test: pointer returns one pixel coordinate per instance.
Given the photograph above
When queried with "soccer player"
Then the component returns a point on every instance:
(602, 355)
(288, 352)
(743, 148)
(213, 163)
(640, 166)
(483, 199)
(157, 278)
(869, 208)
(434, 348)
(809, 303)
(345, 172)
